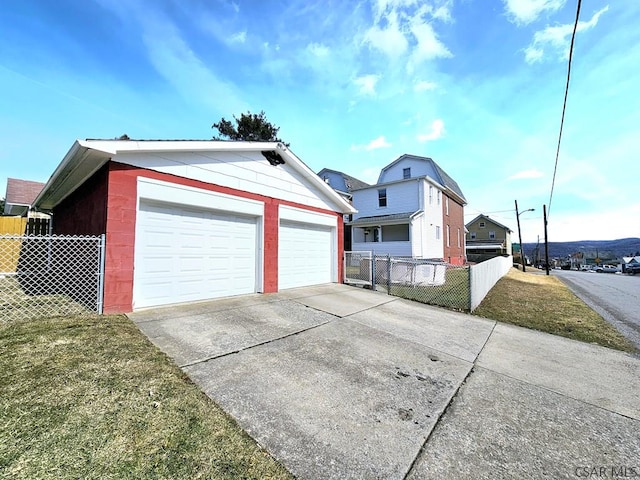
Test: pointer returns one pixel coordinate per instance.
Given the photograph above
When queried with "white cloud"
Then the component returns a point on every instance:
(558, 38)
(318, 50)
(370, 175)
(428, 46)
(400, 28)
(367, 84)
(379, 142)
(390, 40)
(174, 60)
(526, 174)
(240, 37)
(374, 144)
(435, 132)
(523, 12)
(423, 85)
(172, 57)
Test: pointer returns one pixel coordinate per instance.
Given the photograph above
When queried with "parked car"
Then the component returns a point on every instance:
(606, 269)
(585, 268)
(633, 268)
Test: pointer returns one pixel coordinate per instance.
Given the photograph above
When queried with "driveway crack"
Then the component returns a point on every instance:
(266, 342)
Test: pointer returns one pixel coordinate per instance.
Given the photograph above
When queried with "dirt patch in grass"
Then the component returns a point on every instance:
(544, 303)
(90, 397)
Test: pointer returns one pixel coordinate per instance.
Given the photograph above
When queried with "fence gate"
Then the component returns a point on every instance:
(357, 268)
(50, 275)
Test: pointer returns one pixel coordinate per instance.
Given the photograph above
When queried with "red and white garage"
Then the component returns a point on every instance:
(194, 220)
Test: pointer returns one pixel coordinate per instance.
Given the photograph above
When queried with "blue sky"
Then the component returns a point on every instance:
(475, 84)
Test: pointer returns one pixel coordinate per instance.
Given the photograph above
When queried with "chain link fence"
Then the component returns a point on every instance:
(357, 268)
(426, 281)
(47, 276)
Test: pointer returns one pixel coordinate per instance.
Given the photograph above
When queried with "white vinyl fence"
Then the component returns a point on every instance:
(485, 275)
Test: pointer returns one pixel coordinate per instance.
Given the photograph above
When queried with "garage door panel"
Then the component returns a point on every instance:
(184, 254)
(305, 254)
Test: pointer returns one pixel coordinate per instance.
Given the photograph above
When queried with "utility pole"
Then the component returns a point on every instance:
(522, 260)
(546, 240)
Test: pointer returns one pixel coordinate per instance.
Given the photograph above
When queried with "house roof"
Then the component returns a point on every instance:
(443, 177)
(20, 195)
(379, 219)
(85, 157)
(351, 183)
(490, 220)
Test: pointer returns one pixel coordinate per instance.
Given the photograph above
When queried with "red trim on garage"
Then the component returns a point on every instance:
(120, 241)
(270, 257)
(120, 228)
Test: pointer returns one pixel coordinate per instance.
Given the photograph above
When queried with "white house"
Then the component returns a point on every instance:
(415, 210)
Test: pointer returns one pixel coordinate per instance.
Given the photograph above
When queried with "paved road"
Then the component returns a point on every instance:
(615, 297)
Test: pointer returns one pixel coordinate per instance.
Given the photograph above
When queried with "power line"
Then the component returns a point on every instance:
(564, 105)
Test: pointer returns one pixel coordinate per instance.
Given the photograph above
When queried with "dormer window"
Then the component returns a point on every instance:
(406, 173)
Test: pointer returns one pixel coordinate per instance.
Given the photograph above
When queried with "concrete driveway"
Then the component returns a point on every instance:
(340, 382)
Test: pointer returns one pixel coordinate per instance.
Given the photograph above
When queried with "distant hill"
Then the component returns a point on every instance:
(605, 249)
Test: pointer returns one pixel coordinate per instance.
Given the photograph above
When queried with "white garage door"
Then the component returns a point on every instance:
(305, 254)
(186, 254)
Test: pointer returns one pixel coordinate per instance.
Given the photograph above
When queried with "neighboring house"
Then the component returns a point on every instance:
(486, 239)
(20, 196)
(627, 261)
(195, 220)
(415, 210)
(343, 184)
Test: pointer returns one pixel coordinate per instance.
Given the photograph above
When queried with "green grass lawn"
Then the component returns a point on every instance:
(454, 294)
(89, 397)
(544, 303)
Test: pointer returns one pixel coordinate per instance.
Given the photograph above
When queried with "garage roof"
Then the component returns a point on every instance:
(87, 156)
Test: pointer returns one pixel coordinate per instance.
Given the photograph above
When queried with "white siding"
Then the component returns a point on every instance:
(247, 171)
(401, 198)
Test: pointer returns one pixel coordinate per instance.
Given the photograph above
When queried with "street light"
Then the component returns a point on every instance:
(524, 262)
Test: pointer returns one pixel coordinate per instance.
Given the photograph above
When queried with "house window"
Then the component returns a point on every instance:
(481, 225)
(458, 237)
(406, 173)
(446, 205)
(448, 239)
(382, 197)
(492, 235)
(430, 195)
(437, 232)
(438, 197)
(473, 235)
(395, 233)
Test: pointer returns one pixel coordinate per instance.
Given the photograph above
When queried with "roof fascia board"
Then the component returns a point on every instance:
(114, 147)
(106, 149)
(66, 176)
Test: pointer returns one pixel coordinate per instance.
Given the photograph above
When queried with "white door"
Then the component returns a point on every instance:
(305, 254)
(185, 254)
